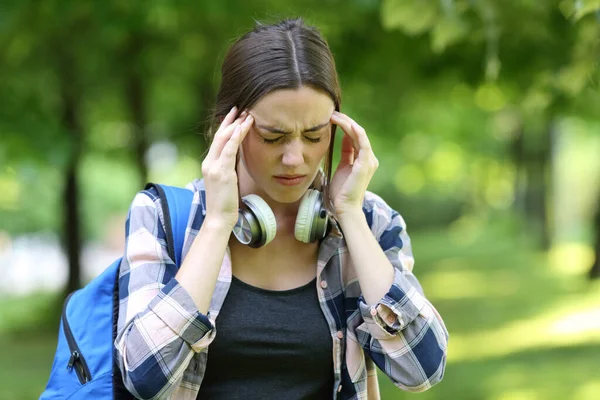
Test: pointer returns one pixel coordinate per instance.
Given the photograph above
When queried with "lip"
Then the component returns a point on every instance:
(290, 180)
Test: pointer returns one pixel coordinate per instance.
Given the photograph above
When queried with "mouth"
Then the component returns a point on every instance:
(290, 180)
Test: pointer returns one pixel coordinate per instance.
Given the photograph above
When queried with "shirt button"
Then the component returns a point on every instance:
(391, 319)
(324, 284)
(373, 311)
(340, 334)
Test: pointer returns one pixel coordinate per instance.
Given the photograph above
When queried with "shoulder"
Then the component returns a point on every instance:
(148, 201)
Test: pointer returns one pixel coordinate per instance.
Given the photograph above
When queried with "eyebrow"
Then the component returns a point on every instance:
(282, 132)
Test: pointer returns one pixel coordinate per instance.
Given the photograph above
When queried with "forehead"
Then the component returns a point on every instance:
(304, 105)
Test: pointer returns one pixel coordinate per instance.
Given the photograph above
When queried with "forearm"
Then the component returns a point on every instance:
(375, 272)
(397, 326)
(200, 269)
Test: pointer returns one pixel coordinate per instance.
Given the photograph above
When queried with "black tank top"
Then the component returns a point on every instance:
(269, 345)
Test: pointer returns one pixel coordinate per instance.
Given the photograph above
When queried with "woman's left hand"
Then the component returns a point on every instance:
(356, 168)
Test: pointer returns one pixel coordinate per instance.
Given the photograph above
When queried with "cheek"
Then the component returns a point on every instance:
(247, 152)
(254, 153)
(324, 148)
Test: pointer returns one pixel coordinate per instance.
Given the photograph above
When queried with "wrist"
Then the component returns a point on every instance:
(217, 226)
(352, 215)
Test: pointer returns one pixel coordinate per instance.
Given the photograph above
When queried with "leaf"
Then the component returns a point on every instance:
(448, 31)
(580, 8)
(414, 17)
(574, 78)
(567, 7)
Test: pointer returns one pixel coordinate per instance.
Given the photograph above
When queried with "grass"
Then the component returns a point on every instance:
(24, 366)
(524, 325)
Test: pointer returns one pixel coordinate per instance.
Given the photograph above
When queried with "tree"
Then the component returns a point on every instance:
(513, 54)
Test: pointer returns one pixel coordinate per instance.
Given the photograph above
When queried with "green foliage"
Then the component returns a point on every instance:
(577, 9)
(413, 16)
(441, 87)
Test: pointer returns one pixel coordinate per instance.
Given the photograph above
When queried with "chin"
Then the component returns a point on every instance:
(287, 195)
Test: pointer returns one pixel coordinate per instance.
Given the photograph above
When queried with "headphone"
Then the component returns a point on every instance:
(257, 226)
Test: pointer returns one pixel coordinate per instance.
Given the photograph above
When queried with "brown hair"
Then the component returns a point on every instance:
(284, 55)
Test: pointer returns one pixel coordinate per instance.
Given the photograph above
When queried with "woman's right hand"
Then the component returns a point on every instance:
(218, 169)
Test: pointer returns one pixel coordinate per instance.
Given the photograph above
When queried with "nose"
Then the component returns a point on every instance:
(293, 154)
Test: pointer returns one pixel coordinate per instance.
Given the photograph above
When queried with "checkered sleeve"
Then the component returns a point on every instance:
(159, 327)
(403, 333)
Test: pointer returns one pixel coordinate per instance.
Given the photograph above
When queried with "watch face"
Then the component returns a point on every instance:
(242, 230)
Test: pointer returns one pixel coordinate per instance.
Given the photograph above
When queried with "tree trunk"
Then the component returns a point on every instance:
(517, 155)
(137, 107)
(135, 95)
(72, 239)
(71, 227)
(595, 271)
(537, 185)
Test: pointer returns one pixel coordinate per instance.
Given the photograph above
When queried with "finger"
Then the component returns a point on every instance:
(221, 138)
(229, 118)
(229, 153)
(344, 122)
(347, 155)
(366, 155)
(219, 141)
(358, 133)
(361, 134)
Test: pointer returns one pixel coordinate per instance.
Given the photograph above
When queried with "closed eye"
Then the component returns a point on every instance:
(275, 140)
(313, 140)
(270, 141)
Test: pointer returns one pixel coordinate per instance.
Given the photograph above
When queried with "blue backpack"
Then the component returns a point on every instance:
(84, 364)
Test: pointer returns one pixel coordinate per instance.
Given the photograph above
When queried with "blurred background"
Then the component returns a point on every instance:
(484, 116)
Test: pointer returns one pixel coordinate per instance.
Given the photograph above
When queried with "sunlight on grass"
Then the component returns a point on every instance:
(579, 323)
(572, 324)
(589, 391)
(469, 284)
(571, 258)
(518, 395)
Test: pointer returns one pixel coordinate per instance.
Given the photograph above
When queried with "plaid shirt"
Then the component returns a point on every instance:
(163, 340)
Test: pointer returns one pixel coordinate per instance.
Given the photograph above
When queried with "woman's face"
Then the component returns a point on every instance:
(290, 137)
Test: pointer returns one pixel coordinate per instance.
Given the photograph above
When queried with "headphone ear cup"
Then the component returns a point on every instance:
(311, 221)
(261, 222)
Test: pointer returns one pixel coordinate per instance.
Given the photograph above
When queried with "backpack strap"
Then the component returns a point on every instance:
(176, 205)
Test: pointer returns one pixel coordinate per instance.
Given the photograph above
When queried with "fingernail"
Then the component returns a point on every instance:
(233, 109)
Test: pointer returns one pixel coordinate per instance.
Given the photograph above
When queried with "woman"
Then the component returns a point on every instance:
(306, 298)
